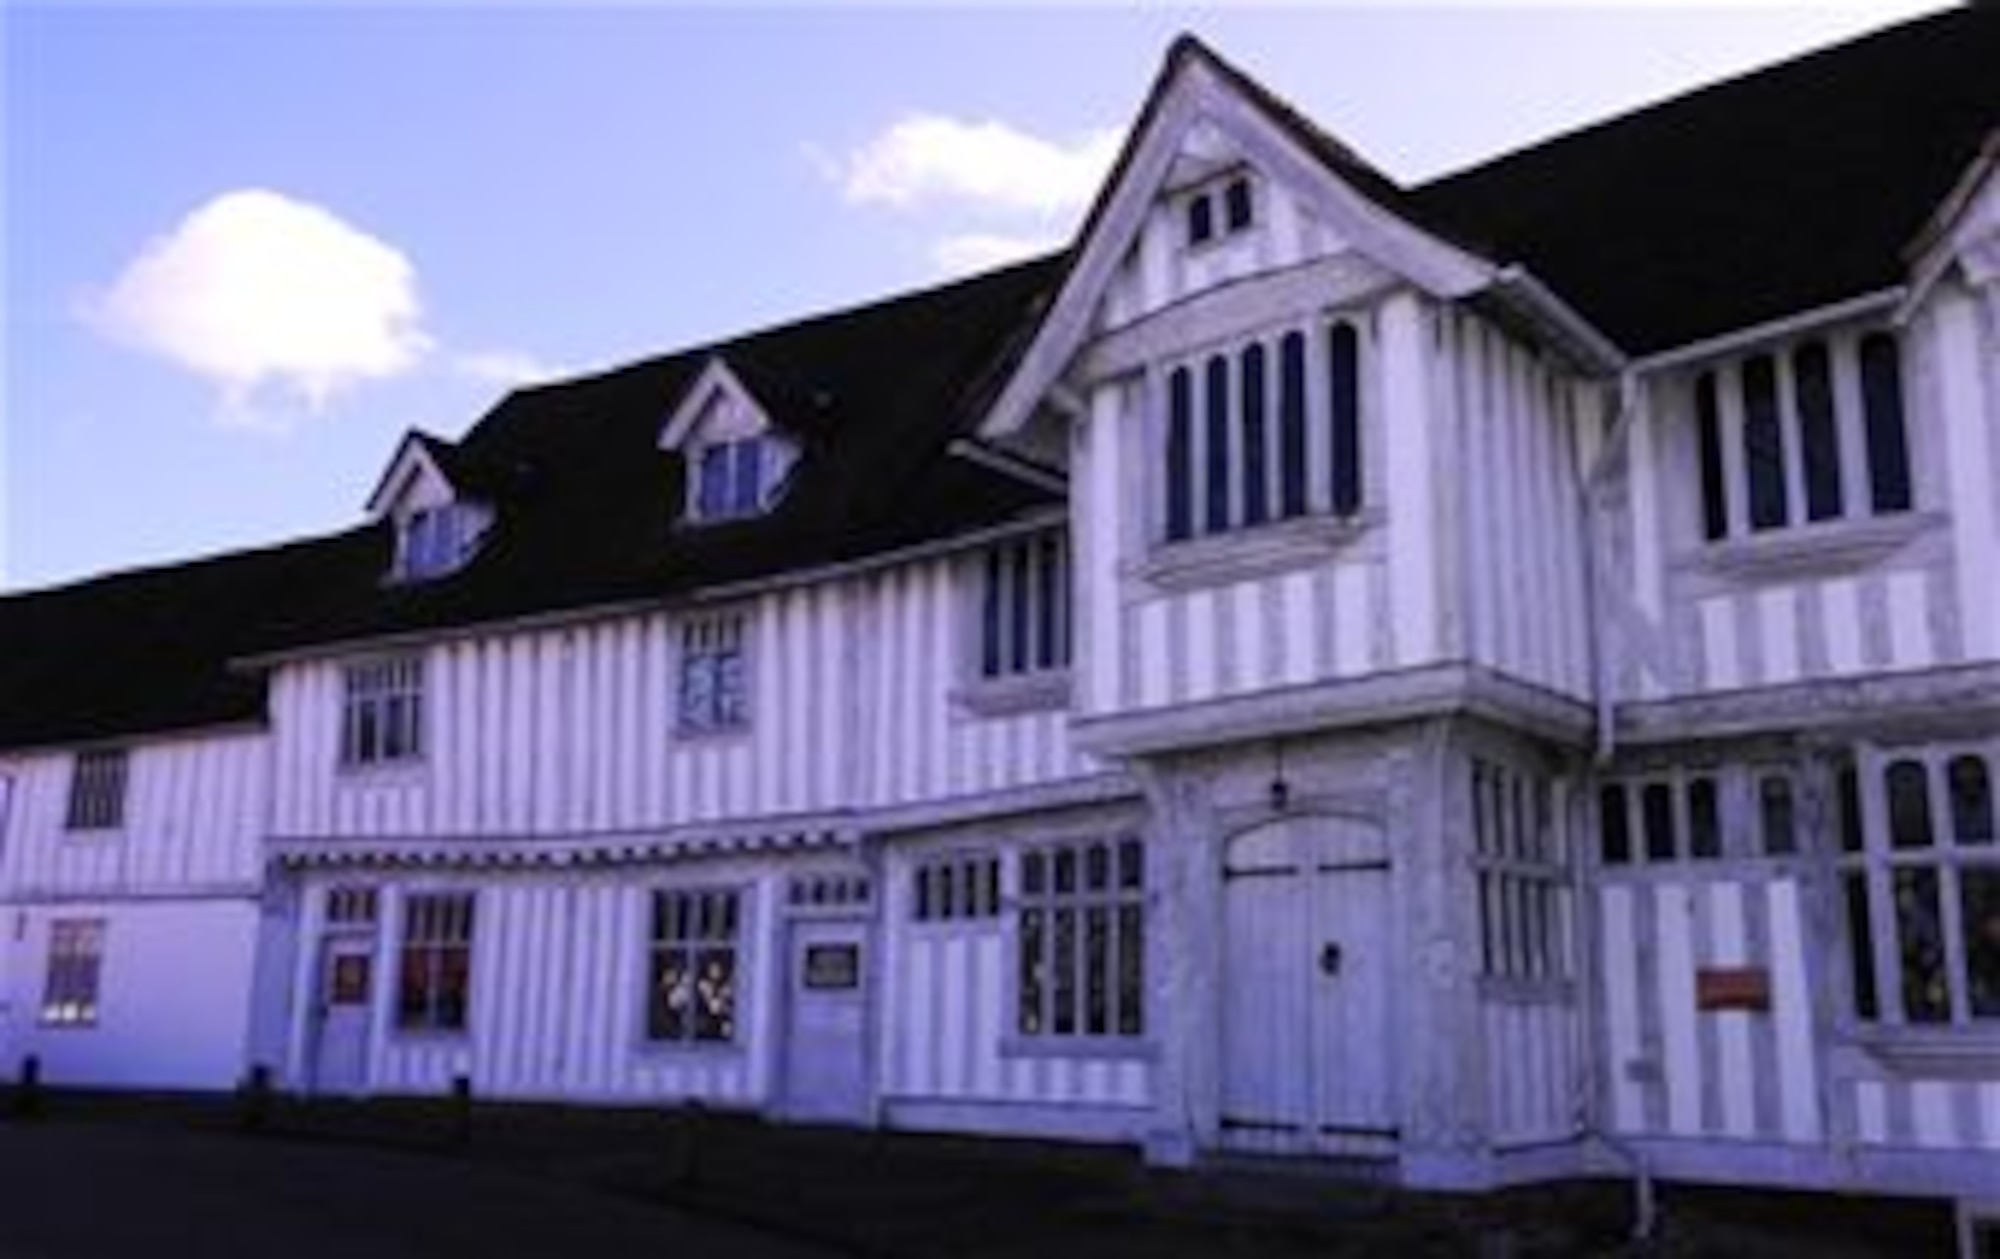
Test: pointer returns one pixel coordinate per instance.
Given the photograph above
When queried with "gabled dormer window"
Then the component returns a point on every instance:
(425, 495)
(737, 461)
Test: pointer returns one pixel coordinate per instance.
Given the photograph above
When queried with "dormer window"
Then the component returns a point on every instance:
(424, 496)
(733, 479)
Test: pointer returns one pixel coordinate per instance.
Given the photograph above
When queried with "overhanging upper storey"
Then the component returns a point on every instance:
(737, 461)
(1220, 184)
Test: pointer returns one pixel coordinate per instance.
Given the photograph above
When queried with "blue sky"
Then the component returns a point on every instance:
(245, 248)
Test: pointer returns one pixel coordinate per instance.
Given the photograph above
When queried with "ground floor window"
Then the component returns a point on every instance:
(691, 987)
(433, 992)
(1523, 876)
(1920, 886)
(76, 962)
(1081, 932)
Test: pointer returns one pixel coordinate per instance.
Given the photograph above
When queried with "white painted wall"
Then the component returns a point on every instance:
(173, 998)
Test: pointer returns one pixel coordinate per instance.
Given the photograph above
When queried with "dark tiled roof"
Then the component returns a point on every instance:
(586, 515)
(1784, 190)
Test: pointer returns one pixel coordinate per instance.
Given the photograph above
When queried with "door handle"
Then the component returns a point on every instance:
(1329, 959)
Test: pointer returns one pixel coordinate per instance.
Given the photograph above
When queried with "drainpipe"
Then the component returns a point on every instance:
(1645, 1203)
(1595, 576)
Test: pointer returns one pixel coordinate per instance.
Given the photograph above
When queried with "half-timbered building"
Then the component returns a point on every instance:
(1488, 680)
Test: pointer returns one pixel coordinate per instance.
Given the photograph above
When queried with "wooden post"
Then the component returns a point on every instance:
(461, 1111)
(253, 1099)
(28, 1091)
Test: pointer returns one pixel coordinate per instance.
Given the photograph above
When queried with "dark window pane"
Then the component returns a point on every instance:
(1819, 439)
(1971, 800)
(1033, 978)
(1097, 970)
(1216, 413)
(1763, 443)
(1292, 425)
(714, 496)
(1131, 864)
(923, 894)
(1237, 205)
(1708, 432)
(1064, 860)
(1614, 826)
(1704, 826)
(1063, 981)
(1031, 873)
(1861, 948)
(1909, 805)
(1979, 911)
(989, 617)
(748, 496)
(1343, 369)
(1882, 407)
(1256, 459)
(1920, 946)
(1048, 602)
(1657, 805)
(1200, 219)
(1131, 971)
(1097, 867)
(1018, 587)
(1774, 807)
(1848, 802)
(1180, 455)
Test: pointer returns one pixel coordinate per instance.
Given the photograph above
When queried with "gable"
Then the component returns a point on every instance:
(1312, 200)
(412, 482)
(717, 407)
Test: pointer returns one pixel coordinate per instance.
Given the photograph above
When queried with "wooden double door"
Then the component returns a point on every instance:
(1308, 1047)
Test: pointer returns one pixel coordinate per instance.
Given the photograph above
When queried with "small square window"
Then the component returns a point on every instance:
(714, 694)
(97, 791)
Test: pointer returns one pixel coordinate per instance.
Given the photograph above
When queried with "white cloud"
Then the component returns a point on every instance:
(506, 368)
(255, 290)
(930, 157)
(982, 251)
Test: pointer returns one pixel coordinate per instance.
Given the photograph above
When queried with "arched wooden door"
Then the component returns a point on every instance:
(1308, 1045)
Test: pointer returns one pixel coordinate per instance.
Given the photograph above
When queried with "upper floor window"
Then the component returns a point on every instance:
(97, 790)
(435, 541)
(1252, 437)
(1809, 432)
(734, 479)
(1921, 888)
(1024, 607)
(714, 692)
(434, 982)
(1219, 208)
(381, 721)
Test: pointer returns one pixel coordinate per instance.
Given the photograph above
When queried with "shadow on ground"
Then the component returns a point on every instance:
(545, 1180)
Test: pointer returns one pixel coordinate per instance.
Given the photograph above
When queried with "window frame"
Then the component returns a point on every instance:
(1877, 964)
(1304, 427)
(1043, 1037)
(100, 788)
(371, 691)
(1524, 881)
(958, 888)
(445, 933)
(73, 976)
(1830, 434)
(739, 903)
(714, 637)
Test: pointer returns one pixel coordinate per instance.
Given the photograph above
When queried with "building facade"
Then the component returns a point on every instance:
(1490, 681)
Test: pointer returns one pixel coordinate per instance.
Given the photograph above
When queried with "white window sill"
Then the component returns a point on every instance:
(1014, 694)
(1828, 546)
(1125, 1048)
(1220, 558)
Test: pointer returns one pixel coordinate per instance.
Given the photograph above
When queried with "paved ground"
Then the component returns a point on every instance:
(90, 1190)
(124, 1176)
